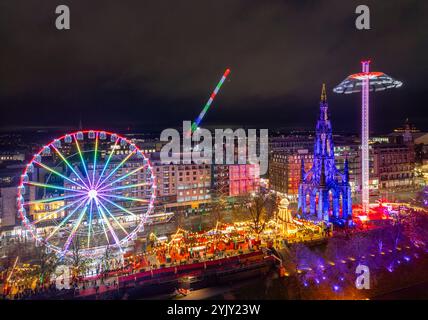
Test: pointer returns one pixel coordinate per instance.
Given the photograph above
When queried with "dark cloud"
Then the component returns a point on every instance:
(154, 63)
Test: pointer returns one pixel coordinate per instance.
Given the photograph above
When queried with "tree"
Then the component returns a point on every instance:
(79, 262)
(240, 208)
(218, 209)
(12, 251)
(106, 259)
(261, 210)
(179, 220)
(47, 262)
(272, 205)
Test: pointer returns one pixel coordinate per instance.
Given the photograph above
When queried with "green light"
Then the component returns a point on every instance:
(69, 165)
(107, 162)
(81, 158)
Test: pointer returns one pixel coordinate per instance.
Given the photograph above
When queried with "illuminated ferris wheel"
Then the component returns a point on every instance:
(89, 188)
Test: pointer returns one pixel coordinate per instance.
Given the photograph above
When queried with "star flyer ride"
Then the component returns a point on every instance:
(365, 82)
(87, 189)
(198, 120)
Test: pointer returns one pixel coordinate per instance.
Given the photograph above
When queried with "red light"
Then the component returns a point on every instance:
(362, 75)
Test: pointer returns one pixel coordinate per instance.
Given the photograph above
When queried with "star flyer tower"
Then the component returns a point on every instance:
(365, 82)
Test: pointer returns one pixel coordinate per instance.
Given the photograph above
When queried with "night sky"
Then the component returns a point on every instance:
(151, 64)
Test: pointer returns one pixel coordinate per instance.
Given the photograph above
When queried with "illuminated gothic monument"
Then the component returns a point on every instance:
(324, 191)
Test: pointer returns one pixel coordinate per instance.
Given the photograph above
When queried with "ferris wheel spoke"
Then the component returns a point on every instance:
(90, 223)
(104, 228)
(118, 167)
(75, 227)
(69, 165)
(81, 159)
(124, 198)
(66, 219)
(101, 211)
(47, 200)
(59, 174)
(57, 211)
(52, 186)
(118, 206)
(136, 185)
(113, 217)
(124, 176)
(95, 159)
(107, 162)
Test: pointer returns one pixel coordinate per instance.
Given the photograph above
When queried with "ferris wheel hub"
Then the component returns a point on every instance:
(92, 194)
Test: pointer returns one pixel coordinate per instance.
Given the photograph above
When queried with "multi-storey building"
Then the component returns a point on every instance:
(8, 211)
(291, 143)
(394, 165)
(236, 179)
(12, 155)
(351, 153)
(285, 170)
(181, 187)
(193, 182)
(9, 221)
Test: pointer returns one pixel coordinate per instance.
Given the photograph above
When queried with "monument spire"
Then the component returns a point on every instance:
(323, 104)
(323, 94)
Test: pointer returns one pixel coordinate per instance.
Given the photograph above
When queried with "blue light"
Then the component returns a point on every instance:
(326, 179)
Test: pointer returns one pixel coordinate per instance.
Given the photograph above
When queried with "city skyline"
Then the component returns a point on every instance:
(197, 150)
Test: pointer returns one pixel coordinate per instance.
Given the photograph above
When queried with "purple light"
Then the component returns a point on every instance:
(407, 258)
(336, 288)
